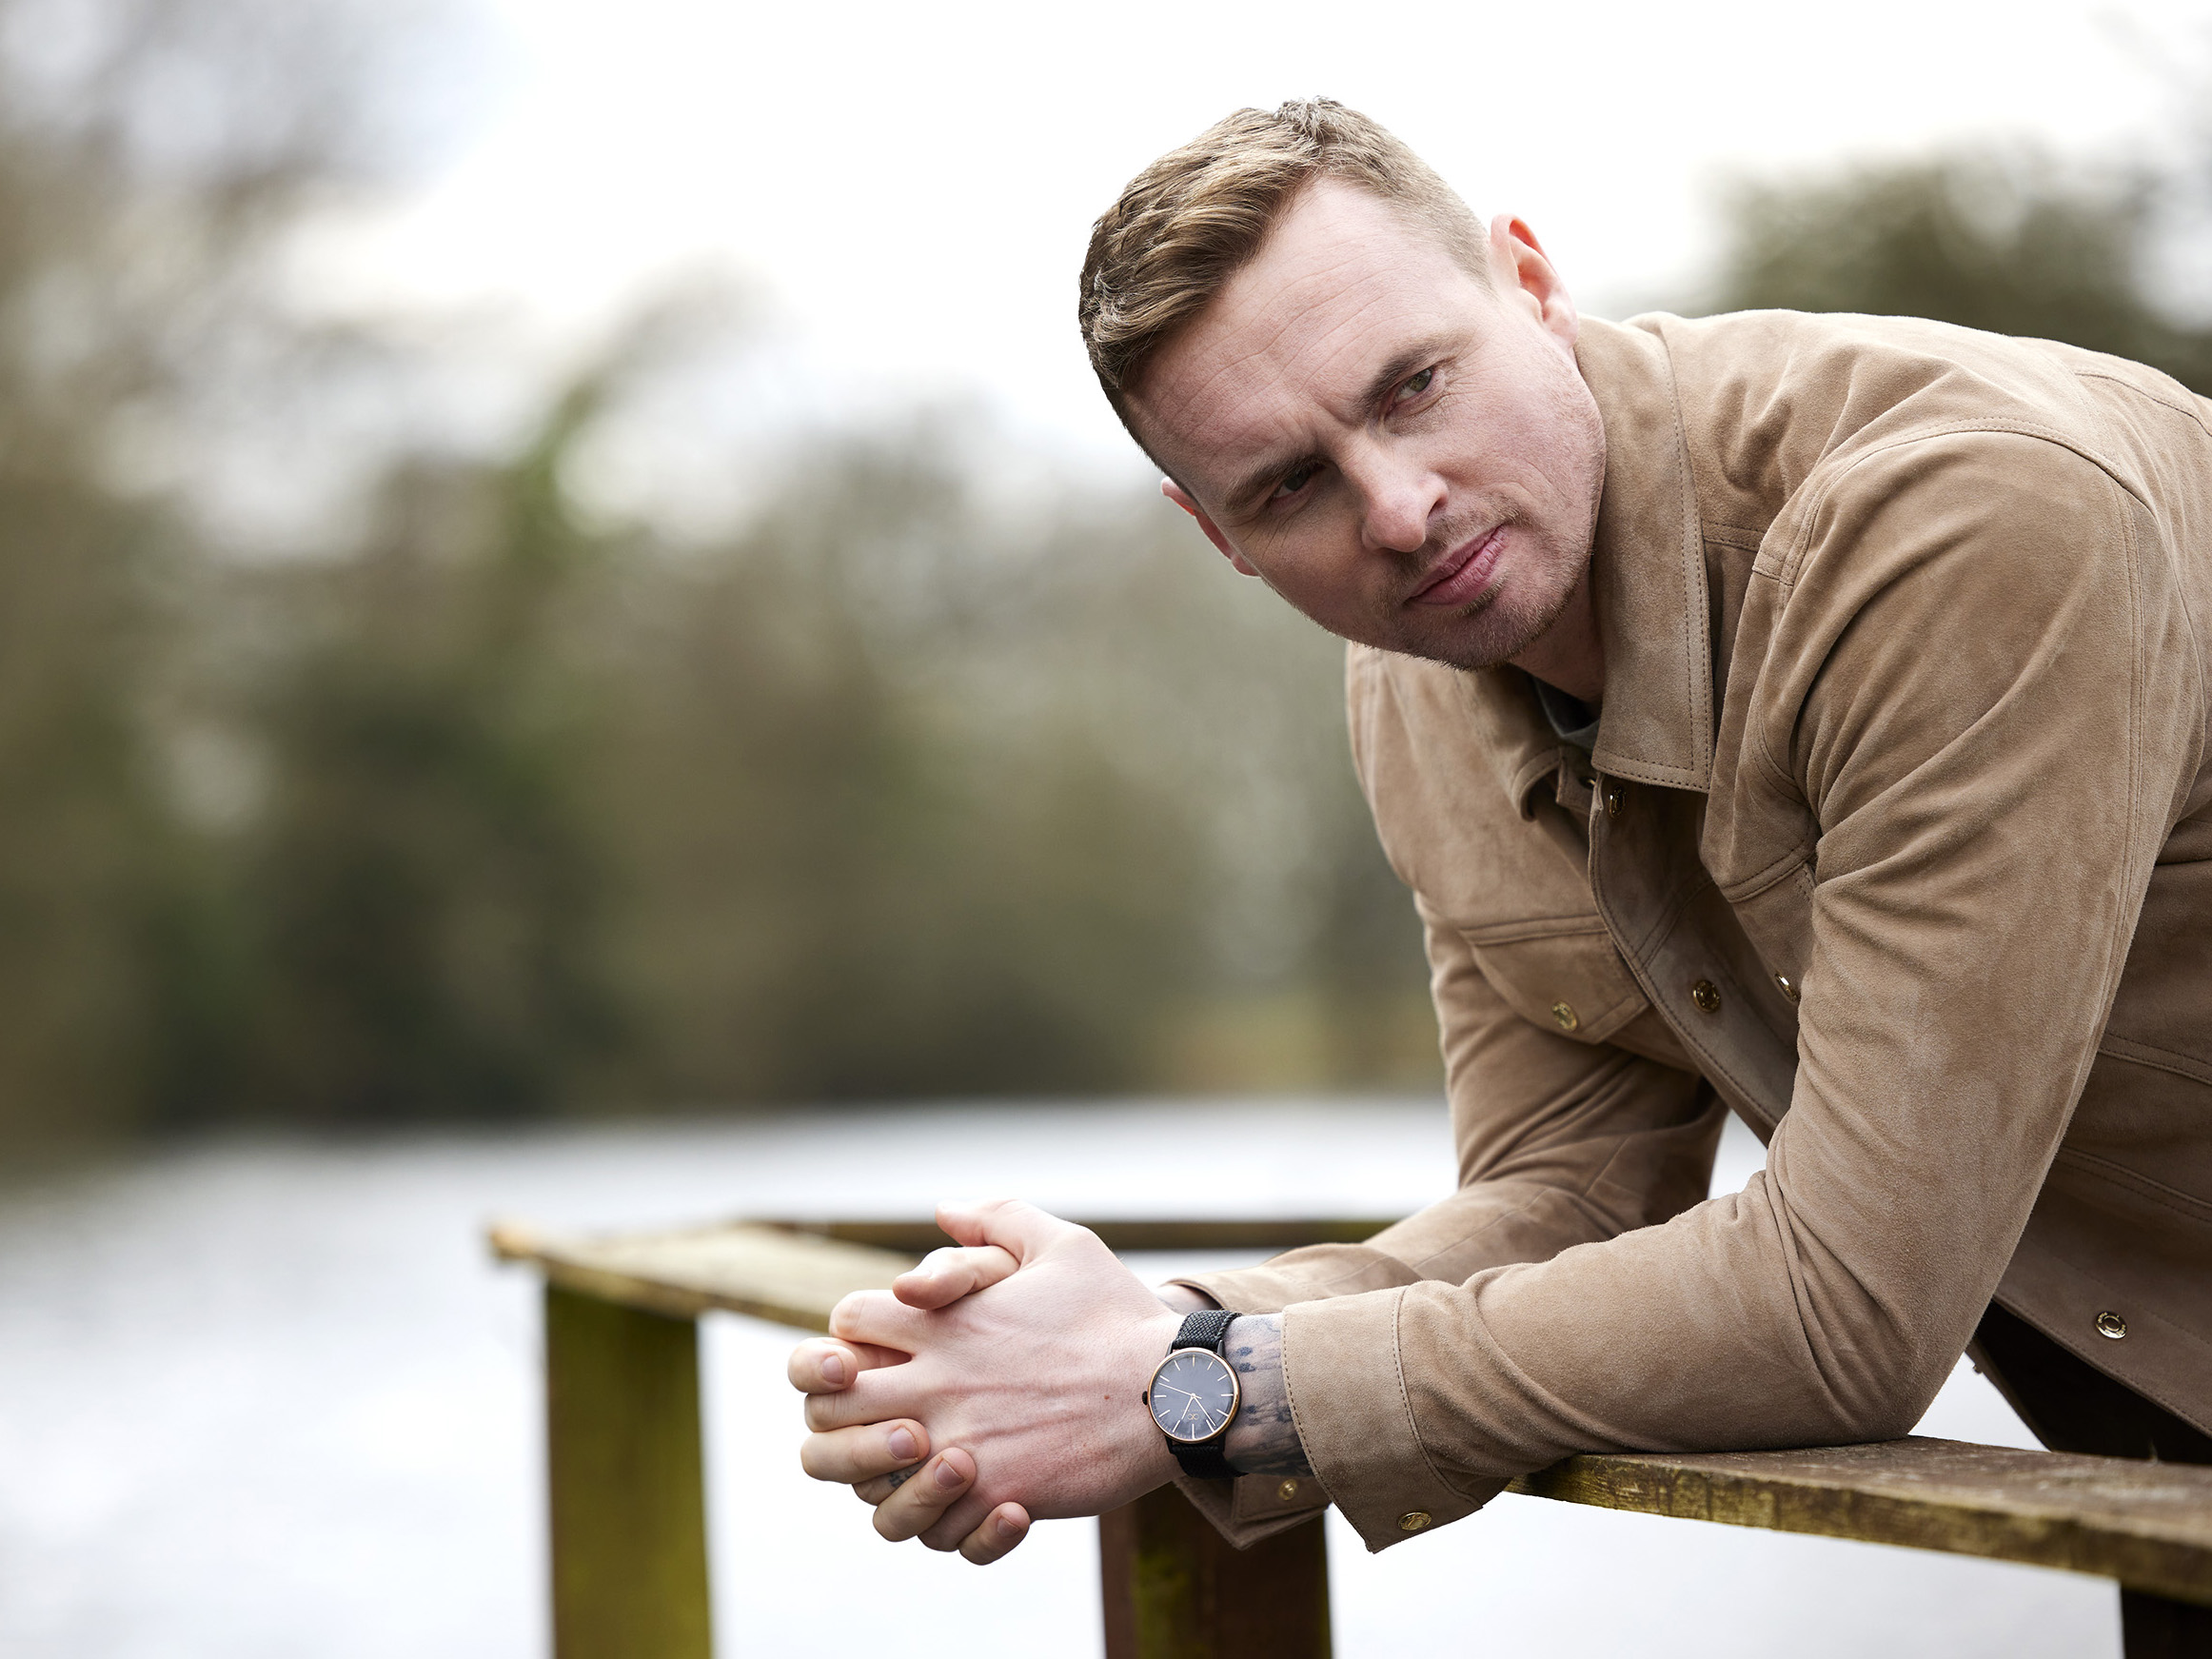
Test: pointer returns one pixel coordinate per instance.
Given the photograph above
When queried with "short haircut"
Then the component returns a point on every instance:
(1188, 222)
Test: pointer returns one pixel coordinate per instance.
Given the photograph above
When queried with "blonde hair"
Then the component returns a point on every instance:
(1188, 222)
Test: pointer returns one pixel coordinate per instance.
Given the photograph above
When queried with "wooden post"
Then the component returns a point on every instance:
(628, 1502)
(1175, 1588)
(2157, 1627)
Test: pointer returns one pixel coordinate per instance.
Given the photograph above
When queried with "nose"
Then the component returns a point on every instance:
(1399, 499)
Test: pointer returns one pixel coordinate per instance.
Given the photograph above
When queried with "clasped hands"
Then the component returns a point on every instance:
(999, 1382)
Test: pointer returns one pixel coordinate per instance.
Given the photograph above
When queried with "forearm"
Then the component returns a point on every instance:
(1263, 1439)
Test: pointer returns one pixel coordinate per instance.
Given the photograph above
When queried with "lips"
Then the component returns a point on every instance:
(1466, 571)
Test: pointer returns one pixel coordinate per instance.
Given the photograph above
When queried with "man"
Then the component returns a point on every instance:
(1798, 716)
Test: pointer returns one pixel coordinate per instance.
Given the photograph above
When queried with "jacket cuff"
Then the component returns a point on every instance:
(1253, 1507)
(1347, 1388)
(1229, 1291)
(1308, 1275)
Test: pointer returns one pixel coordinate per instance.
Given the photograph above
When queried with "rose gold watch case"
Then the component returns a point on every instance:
(1236, 1396)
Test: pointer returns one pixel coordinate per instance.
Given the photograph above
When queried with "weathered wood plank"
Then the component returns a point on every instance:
(1122, 1233)
(1174, 1589)
(2148, 1525)
(770, 1273)
(627, 1505)
(795, 1271)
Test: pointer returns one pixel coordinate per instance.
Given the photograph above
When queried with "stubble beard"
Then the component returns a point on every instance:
(1511, 616)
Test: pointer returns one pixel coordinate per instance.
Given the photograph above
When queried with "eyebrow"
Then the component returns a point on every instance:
(1263, 476)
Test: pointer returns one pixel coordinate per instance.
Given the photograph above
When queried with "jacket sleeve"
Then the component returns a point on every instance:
(1559, 1144)
(1975, 676)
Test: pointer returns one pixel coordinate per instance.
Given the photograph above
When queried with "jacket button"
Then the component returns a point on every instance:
(1564, 1013)
(1286, 1491)
(1788, 986)
(1707, 995)
(1412, 1520)
(2111, 1324)
(1612, 801)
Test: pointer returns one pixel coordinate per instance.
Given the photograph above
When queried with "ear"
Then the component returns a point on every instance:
(1175, 493)
(1522, 271)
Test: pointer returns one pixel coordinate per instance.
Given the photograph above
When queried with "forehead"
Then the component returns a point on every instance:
(1344, 281)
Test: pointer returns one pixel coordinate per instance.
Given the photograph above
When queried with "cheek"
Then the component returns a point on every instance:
(1319, 560)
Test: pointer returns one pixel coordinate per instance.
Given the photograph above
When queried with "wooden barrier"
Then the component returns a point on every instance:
(628, 1526)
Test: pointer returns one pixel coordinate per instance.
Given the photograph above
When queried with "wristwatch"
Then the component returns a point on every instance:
(1193, 1394)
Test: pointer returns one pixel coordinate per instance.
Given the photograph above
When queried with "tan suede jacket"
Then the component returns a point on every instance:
(1897, 841)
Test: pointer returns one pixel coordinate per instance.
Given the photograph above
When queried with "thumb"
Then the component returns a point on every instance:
(1021, 1230)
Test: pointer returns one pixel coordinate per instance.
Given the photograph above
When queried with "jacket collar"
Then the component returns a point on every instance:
(1647, 570)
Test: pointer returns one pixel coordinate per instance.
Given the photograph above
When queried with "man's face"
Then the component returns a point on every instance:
(1410, 459)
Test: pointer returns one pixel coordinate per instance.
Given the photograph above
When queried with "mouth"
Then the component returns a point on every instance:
(1463, 573)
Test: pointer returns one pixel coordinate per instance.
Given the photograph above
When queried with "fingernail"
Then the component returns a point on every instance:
(948, 1477)
(902, 1445)
(833, 1370)
(1009, 1527)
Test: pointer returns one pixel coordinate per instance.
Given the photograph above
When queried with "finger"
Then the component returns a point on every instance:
(875, 1396)
(946, 1275)
(865, 1453)
(960, 1517)
(873, 1491)
(877, 1317)
(1020, 1229)
(1005, 1527)
(919, 1503)
(822, 1365)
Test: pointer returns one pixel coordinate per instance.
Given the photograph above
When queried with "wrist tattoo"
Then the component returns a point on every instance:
(1263, 1440)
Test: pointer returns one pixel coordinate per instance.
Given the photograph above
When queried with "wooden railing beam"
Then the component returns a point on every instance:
(2149, 1526)
(629, 1550)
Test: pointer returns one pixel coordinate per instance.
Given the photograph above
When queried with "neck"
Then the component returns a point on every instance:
(1568, 654)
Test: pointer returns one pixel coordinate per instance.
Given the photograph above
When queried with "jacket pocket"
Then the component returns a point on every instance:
(1776, 917)
(1560, 973)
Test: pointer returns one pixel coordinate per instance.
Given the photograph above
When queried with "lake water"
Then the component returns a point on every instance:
(270, 1400)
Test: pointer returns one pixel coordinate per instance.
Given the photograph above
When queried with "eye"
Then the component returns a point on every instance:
(1295, 480)
(1414, 385)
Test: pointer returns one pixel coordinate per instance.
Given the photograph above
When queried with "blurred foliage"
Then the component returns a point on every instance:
(903, 797)
(490, 804)
(903, 780)
(2014, 244)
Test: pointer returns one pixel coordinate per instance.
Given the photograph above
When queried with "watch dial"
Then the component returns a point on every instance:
(1193, 1395)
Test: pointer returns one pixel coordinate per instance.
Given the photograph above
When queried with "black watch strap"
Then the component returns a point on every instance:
(1203, 1462)
(1209, 1329)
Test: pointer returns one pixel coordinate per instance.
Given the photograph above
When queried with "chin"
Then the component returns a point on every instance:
(1495, 633)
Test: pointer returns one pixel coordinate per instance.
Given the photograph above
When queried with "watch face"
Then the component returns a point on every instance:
(1192, 1395)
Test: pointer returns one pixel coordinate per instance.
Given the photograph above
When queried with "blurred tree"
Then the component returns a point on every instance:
(2014, 246)
(422, 897)
(119, 228)
(926, 811)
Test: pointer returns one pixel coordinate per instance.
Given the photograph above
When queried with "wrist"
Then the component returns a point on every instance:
(1263, 1439)
(1185, 1299)
(1152, 1339)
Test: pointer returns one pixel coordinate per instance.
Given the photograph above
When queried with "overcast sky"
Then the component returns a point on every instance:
(910, 187)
